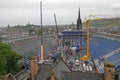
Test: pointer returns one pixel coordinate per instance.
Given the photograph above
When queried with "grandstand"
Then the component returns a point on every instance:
(101, 46)
(31, 46)
(27, 47)
(101, 49)
(105, 50)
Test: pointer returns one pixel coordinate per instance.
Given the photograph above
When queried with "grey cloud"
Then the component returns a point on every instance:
(115, 6)
(22, 11)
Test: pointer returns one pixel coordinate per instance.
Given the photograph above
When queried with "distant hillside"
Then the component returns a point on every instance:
(105, 22)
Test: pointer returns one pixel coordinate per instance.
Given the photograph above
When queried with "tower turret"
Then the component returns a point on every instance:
(79, 21)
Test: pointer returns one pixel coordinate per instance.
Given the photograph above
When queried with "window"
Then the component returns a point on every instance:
(116, 77)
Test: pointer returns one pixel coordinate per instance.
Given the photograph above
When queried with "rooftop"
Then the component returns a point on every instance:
(44, 71)
(82, 76)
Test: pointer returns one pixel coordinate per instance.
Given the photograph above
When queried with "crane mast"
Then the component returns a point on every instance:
(42, 46)
(87, 55)
(56, 29)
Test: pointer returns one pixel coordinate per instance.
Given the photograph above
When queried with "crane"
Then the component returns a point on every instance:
(87, 56)
(87, 22)
(56, 29)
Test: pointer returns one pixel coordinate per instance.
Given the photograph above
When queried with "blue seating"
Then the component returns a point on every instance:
(102, 46)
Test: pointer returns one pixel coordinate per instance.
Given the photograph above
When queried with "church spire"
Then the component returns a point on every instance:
(79, 21)
(79, 14)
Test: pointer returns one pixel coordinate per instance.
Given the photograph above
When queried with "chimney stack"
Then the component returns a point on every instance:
(34, 67)
(109, 69)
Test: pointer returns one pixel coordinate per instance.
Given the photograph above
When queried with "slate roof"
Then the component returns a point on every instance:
(7, 77)
(22, 74)
(81, 76)
(44, 71)
(63, 72)
(61, 66)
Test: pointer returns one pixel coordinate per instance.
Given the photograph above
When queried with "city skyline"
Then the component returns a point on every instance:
(21, 12)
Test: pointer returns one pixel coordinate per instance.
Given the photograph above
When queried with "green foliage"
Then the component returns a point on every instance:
(106, 22)
(8, 60)
(24, 27)
(3, 63)
(39, 32)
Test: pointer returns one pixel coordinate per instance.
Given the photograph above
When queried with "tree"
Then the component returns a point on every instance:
(39, 32)
(8, 60)
(3, 63)
(31, 31)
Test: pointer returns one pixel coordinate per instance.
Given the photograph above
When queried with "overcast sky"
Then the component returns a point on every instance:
(15, 12)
